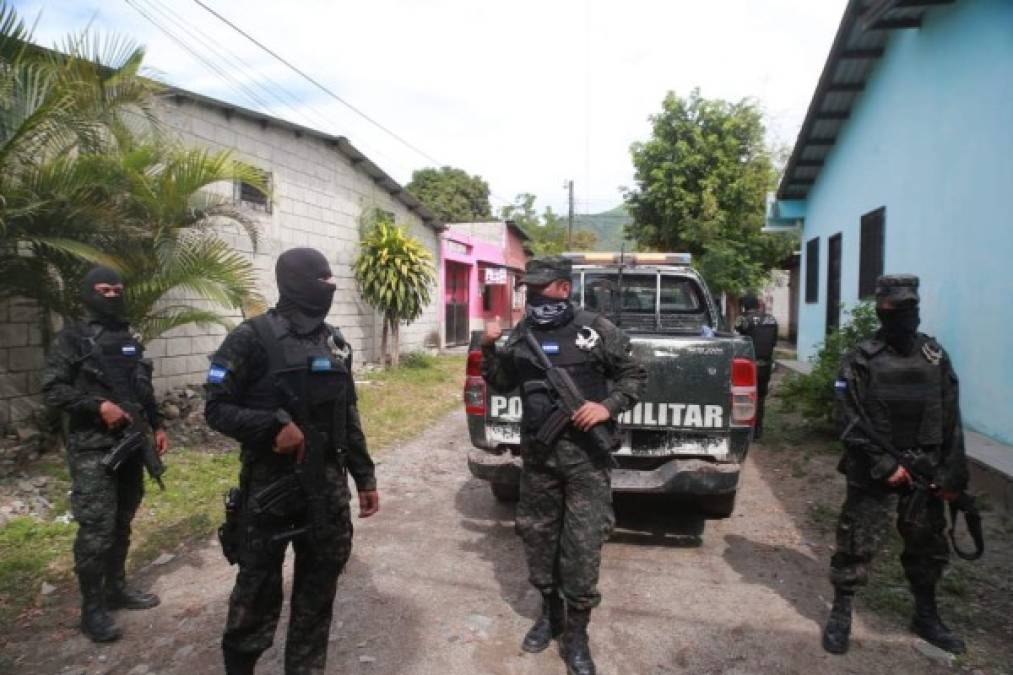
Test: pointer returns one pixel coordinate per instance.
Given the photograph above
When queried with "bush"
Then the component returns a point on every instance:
(813, 394)
(418, 359)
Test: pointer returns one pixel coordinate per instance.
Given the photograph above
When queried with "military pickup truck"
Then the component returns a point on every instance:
(688, 436)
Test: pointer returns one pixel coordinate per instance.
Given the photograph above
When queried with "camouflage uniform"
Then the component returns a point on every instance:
(761, 328)
(565, 510)
(240, 369)
(865, 513)
(78, 377)
(896, 393)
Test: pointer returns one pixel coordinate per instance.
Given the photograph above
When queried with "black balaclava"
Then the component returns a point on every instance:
(899, 326)
(750, 302)
(303, 298)
(103, 309)
(545, 311)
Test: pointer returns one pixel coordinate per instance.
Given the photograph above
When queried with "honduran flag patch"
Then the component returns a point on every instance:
(216, 374)
(550, 347)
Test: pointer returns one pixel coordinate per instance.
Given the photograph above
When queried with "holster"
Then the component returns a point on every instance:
(230, 533)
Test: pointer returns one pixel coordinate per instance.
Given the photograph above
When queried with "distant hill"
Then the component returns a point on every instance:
(607, 227)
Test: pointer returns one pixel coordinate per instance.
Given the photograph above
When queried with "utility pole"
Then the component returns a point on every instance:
(569, 218)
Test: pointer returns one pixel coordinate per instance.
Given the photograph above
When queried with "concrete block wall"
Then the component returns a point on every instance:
(318, 197)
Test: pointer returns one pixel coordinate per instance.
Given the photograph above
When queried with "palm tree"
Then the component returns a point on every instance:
(86, 177)
(395, 274)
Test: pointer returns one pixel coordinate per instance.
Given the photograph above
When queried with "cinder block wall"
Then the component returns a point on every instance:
(318, 196)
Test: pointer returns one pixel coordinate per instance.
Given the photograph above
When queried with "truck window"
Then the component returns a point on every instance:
(682, 307)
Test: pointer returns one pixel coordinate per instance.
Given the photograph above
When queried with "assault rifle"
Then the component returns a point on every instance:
(568, 401)
(922, 471)
(135, 439)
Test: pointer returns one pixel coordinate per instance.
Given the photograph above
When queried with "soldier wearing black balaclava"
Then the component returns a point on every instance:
(290, 346)
(761, 328)
(899, 390)
(565, 511)
(97, 376)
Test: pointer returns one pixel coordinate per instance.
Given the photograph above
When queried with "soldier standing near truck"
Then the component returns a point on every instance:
(565, 511)
(897, 404)
(761, 328)
(96, 375)
(281, 384)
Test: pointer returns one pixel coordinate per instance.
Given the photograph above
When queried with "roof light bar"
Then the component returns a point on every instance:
(630, 258)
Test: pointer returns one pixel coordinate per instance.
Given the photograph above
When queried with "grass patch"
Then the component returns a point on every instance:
(399, 403)
(396, 404)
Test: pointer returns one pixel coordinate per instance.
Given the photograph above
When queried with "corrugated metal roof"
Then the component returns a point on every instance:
(857, 47)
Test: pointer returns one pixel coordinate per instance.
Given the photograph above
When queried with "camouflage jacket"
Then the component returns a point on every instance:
(627, 376)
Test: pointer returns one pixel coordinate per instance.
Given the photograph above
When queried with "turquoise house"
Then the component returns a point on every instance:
(904, 163)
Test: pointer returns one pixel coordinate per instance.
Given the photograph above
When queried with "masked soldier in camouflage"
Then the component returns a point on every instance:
(565, 510)
(289, 349)
(97, 376)
(761, 328)
(899, 389)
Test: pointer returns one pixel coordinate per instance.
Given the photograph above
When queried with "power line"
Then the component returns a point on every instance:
(317, 84)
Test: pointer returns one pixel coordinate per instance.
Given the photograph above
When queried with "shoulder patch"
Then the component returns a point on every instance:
(217, 373)
(841, 385)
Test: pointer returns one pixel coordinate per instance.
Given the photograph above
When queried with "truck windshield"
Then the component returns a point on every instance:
(649, 301)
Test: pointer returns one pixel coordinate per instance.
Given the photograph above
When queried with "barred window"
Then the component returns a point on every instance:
(246, 194)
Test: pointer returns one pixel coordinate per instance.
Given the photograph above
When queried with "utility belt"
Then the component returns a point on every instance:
(250, 514)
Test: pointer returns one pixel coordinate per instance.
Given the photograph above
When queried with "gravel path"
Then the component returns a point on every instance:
(437, 584)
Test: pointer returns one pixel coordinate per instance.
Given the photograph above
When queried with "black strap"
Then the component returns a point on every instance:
(272, 346)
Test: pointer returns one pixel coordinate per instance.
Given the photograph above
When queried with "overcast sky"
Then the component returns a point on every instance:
(525, 93)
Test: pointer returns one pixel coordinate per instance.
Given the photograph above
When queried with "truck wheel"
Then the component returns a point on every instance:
(506, 492)
(718, 506)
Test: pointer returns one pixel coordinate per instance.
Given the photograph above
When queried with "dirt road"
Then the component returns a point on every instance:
(436, 584)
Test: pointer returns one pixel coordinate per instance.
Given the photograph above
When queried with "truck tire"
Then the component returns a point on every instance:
(718, 506)
(506, 492)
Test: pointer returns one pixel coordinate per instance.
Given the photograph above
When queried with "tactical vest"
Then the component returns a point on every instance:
(762, 328)
(904, 394)
(585, 366)
(112, 366)
(314, 368)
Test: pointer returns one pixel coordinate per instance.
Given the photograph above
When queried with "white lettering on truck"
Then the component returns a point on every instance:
(643, 414)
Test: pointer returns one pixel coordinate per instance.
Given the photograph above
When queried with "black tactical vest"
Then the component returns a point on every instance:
(112, 366)
(904, 394)
(316, 368)
(762, 329)
(585, 366)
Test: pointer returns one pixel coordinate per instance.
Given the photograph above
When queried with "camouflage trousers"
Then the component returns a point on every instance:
(564, 517)
(862, 525)
(255, 603)
(103, 506)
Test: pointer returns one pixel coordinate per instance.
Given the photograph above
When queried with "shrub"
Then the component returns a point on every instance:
(419, 360)
(813, 394)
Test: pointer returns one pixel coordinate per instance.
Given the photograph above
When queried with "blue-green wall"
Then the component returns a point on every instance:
(931, 139)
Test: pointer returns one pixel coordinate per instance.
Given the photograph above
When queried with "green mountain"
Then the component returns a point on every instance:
(607, 226)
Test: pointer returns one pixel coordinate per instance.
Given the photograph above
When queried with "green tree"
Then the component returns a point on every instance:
(548, 232)
(701, 186)
(453, 194)
(395, 275)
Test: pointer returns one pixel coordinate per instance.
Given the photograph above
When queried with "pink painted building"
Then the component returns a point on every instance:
(481, 263)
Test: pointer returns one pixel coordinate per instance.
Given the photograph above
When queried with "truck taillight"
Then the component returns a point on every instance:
(474, 364)
(743, 392)
(474, 396)
(474, 385)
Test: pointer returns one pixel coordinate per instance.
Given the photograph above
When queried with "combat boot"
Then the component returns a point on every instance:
(547, 626)
(95, 620)
(576, 651)
(927, 625)
(239, 663)
(837, 632)
(119, 596)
